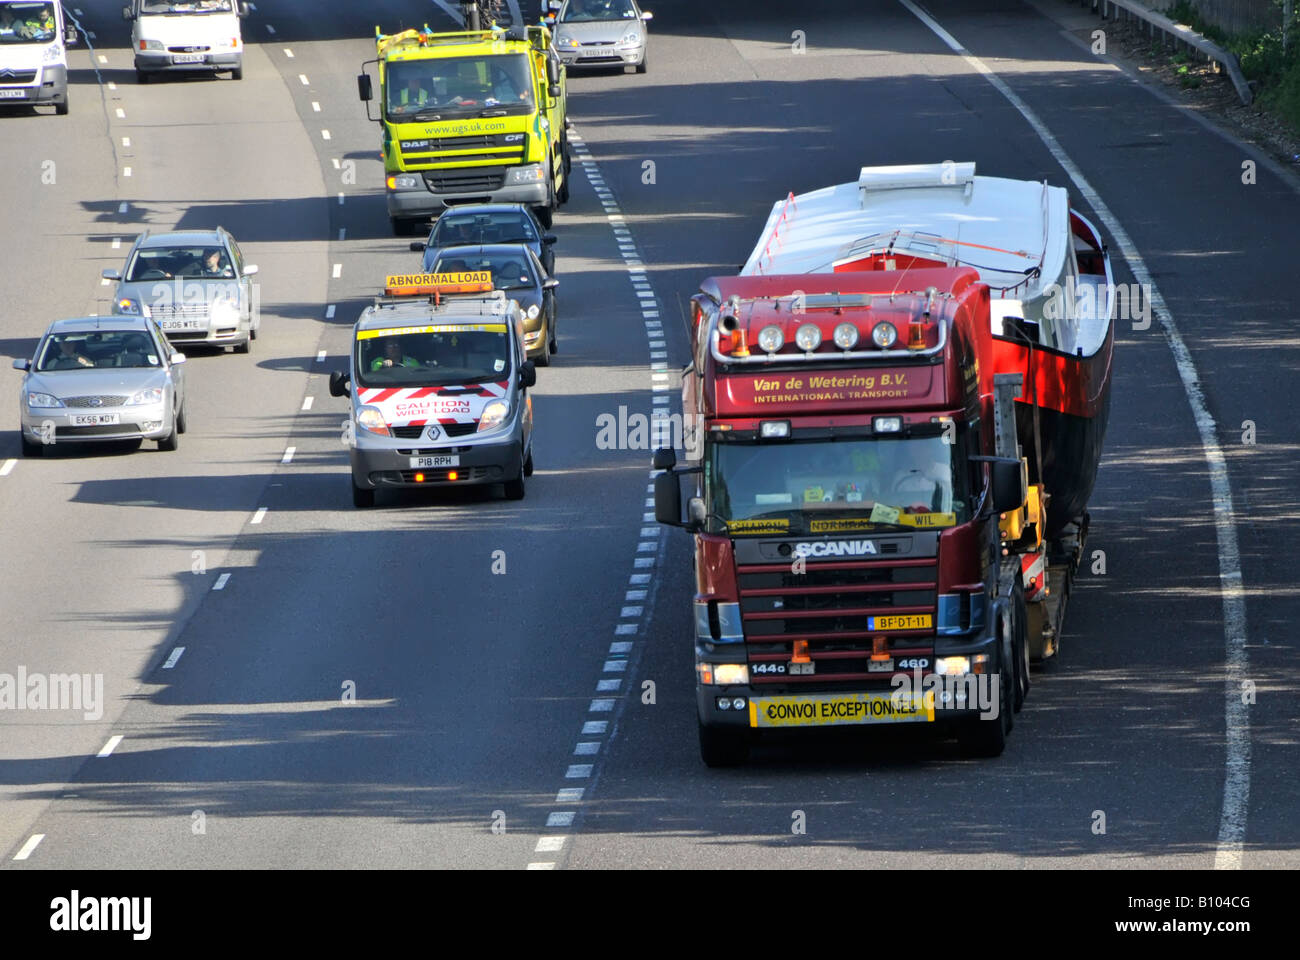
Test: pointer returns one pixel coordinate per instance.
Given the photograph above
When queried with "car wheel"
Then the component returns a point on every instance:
(641, 67)
(32, 449)
(362, 498)
(172, 441)
(237, 73)
(721, 747)
(62, 108)
(181, 425)
(244, 347)
(543, 359)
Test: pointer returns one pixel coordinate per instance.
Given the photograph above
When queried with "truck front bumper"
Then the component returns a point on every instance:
(422, 201)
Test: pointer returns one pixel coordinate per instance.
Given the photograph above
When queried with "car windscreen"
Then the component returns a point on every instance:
(163, 263)
(112, 349)
(433, 356)
(473, 228)
(194, 6)
(585, 11)
(496, 84)
(510, 271)
(27, 22)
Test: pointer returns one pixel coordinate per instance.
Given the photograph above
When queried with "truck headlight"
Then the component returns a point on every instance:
(494, 414)
(725, 674)
(38, 401)
(153, 395)
(530, 174)
(952, 666)
(372, 420)
(404, 181)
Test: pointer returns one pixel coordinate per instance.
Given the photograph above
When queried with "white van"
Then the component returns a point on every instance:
(177, 36)
(34, 53)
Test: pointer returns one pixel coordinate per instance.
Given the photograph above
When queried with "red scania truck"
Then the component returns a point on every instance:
(878, 462)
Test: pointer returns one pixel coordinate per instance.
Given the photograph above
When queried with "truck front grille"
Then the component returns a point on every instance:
(477, 179)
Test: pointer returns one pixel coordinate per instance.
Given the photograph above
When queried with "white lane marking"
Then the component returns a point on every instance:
(288, 455)
(324, 134)
(257, 517)
(601, 705)
(270, 29)
(338, 270)
(8, 467)
(32, 843)
(320, 357)
(343, 232)
(541, 866)
(288, 53)
(340, 198)
(221, 582)
(635, 595)
(647, 546)
(578, 771)
(126, 171)
(639, 579)
(307, 402)
(625, 630)
(615, 666)
(594, 728)
(641, 563)
(620, 647)
(121, 207)
(121, 114)
(329, 311)
(302, 78)
(588, 748)
(117, 243)
(335, 161)
(109, 747)
(647, 517)
(173, 657)
(315, 106)
(608, 686)
(1236, 785)
(571, 794)
(631, 612)
(103, 59)
(561, 818)
(126, 141)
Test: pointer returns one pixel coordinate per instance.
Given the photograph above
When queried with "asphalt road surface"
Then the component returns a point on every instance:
(454, 680)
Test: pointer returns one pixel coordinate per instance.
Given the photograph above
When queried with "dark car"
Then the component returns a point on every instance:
(516, 270)
(491, 223)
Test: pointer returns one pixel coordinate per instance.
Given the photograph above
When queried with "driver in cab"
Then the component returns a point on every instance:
(393, 357)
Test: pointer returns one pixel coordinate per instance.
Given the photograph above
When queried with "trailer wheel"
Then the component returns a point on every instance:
(980, 737)
(720, 747)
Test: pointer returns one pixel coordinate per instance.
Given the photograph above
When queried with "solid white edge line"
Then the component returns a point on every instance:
(32, 843)
(1236, 785)
(109, 747)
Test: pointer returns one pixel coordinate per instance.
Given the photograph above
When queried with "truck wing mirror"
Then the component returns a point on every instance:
(665, 458)
(553, 90)
(339, 384)
(364, 89)
(1008, 481)
(668, 500)
(552, 72)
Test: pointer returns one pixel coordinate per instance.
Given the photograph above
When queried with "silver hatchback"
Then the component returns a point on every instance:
(102, 378)
(195, 284)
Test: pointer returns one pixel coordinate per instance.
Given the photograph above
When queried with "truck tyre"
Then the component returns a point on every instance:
(988, 738)
(720, 747)
(362, 499)
(563, 196)
(544, 216)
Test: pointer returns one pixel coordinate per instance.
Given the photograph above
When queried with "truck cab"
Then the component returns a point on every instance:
(186, 36)
(438, 381)
(34, 38)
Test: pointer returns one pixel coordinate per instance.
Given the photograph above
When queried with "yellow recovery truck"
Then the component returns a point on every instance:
(476, 116)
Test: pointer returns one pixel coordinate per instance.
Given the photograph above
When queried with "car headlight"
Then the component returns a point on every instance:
(404, 181)
(494, 414)
(224, 311)
(567, 41)
(129, 306)
(530, 174)
(631, 37)
(43, 400)
(152, 395)
(533, 311)
(371, 419)
(152, 45)
(53, 54)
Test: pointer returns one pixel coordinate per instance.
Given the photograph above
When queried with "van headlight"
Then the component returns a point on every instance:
(372, 419)
(152, 45)
(494, 414)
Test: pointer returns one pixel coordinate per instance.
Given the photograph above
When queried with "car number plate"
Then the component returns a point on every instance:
(184, 325)
(900, 621)
(187, 58)
(93, 419)
(428, 463)
(13, 94)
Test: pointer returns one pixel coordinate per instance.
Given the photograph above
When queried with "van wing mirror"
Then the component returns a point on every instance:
(339, 384)
(527, 374)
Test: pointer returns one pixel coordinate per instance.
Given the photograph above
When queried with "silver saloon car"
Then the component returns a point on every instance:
(102, 378)
(194, 283)
(601, 33)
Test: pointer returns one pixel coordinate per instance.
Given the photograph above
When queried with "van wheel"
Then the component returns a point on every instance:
(362, 498)
(237, 73)
(723, 748)
(528, 464)
(62, 108)
(515, 487)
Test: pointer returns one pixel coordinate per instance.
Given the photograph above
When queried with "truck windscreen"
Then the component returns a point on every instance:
(827, 486)
(430, 357)
(499, 84)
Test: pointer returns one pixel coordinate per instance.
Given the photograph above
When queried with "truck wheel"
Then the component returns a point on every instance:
(720, 747)
(361, 498)
(544, 216)
(563, 195)
(988, 738)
